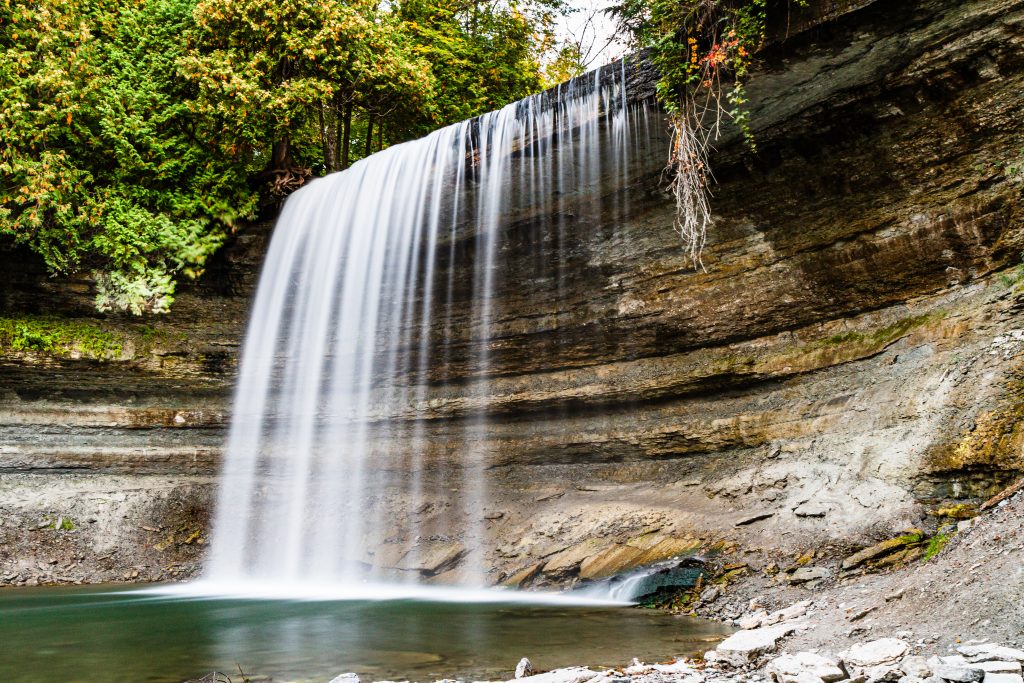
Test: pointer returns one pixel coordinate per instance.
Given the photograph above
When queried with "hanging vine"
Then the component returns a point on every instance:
(703, 50)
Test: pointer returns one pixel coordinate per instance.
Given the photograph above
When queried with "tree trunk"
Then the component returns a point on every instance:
(328, 138)
(346, 134)
(369, 135)
(281, 155)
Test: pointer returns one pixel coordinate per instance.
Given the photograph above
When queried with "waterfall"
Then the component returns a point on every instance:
(357, 296)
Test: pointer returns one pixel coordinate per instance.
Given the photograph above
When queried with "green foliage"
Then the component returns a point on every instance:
(698, 45)
(136, 135)
(567, 64)
(106, 166)
(58, 336)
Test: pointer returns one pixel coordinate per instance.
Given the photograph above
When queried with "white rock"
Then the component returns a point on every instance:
(794, 668)
(960, 674)
(991, 651)
(876, 652)
(910, 679)
(743, 646)
(915, 666)
(524, 668)
(788, 614)
(345, 678)
(753, 621)
(880, 672)
(680, 667)
(999, 667)
(1003, 678)
(572, 674)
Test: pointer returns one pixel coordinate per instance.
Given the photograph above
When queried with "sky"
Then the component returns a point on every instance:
(596, 31)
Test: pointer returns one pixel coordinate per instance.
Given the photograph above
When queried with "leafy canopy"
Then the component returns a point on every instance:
(138, 134)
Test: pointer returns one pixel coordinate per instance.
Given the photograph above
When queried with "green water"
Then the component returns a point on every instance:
(64, 635)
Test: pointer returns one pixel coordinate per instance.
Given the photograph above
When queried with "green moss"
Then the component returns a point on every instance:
(64, 524)
(58, 337)
(935, 545)
(882, 335)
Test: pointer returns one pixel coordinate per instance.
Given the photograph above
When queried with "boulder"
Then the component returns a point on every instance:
(803, 666)
(876, 653)
(915, 666)
(959, 674)
(524, 668)
(743, 647)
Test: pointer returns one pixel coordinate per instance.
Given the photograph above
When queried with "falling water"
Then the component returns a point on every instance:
(356, 297)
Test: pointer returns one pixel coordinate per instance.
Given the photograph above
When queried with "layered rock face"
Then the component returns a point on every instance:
(853, 352)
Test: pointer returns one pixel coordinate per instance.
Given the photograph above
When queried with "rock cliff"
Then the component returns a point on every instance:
(853, 354)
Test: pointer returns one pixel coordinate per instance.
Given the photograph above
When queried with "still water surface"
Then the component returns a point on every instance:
(90, 635)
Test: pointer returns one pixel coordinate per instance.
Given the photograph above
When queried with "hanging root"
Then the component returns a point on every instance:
(690, 178)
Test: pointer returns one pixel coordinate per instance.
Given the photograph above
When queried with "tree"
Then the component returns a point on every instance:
(104, 165)
(281, 79)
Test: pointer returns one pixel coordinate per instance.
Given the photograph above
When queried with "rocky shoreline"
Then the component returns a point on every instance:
(956, 618)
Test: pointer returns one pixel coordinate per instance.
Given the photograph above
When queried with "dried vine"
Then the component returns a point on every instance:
(703, 50)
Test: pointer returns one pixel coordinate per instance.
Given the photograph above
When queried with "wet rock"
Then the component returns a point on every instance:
(743, 647)
(523, 575)
(524, 668)
(609, 561)
(804, 666)
(433, 558)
